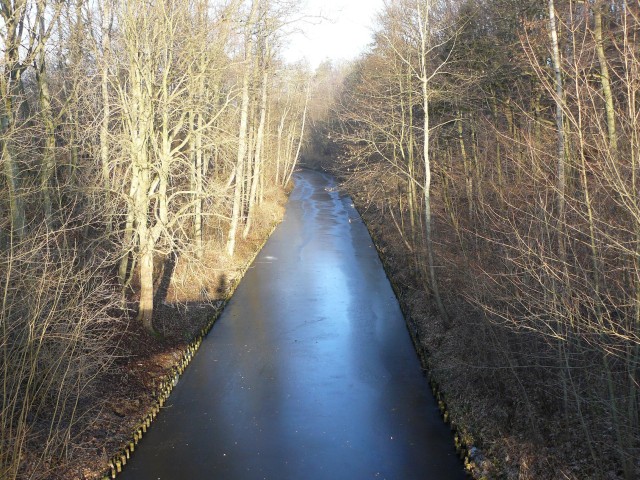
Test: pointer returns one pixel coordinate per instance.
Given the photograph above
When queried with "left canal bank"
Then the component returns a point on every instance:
(133, 390)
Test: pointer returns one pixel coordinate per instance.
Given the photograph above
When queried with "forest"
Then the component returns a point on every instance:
(492, 147)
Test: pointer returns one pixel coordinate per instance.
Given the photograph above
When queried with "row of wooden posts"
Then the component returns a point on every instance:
(160, 394)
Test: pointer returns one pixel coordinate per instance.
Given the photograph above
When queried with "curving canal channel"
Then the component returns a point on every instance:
(309, 373)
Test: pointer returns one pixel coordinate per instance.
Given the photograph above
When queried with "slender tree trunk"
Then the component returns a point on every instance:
(279, 153)
(498, 159)
(468, 172)
(413, 193)
(560, 182)
(242, 134)
(634, 141)
(257, 170)
(166, 153)
(198, 190)
(289, 157)
(10, 168)
(424, 12)
(266, 154)
(605, 79)
(294, 160)
(73, 120)
(13, 17)
(107, 19)
(196, 147)
(477, 172)
(407, 145)
(49, 151)
(251, 153)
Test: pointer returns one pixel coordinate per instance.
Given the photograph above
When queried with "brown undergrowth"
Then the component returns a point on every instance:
(195, 292)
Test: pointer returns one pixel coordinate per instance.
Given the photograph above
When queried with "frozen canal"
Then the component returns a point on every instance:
(309, 373)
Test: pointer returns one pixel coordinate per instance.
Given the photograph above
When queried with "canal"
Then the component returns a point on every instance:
(309, 373)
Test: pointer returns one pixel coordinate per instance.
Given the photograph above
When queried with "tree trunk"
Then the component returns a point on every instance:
(257, 170)
(145, 305)
(605, 80)
(13, 17)
(498, 159)
(107, 20)
(198, 190)
(138, 109)
(11, 172)
(294, 159)
(560, 181)
(279, 155)
(242, 134)
(127, 237)
(145, 239)
(468, 172)
(48, 155)
(424, 80)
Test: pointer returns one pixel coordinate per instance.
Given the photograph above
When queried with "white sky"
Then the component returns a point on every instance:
(343, 35)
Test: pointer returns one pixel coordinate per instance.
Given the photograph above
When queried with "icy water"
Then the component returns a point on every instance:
(309, 373)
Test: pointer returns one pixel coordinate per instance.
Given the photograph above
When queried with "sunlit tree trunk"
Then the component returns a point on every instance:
(197, 134)
(468, 171)
(127, 261)
(137, 106)
(107, 21)
(242, 134)
(198, 187)
(259, 141)
(424, 8)
(294, 158)
(279, 147)
(141, 131)
(559, 97)
(413, 193)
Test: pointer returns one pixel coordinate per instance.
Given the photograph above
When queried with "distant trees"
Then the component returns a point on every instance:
(126, 130)
(402, 75)
(262, 73)
(513, 126)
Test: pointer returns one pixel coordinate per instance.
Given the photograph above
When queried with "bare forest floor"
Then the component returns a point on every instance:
(507, 417)
(194, 292)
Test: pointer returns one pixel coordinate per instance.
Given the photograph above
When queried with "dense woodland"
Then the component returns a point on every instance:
(130, 132)
(494, 148)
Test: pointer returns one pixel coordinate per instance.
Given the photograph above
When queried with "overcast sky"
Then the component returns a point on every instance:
(344, 33)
